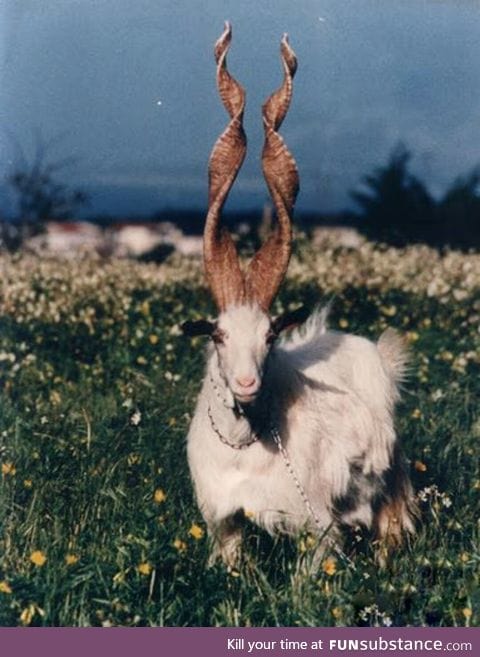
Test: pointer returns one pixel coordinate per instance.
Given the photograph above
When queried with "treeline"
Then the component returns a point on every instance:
(395, 206)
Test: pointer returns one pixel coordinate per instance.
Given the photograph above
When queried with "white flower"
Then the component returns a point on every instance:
(136, 418)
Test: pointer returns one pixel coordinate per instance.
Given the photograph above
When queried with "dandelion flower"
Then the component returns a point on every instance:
(329, 566)
(337, 612)
(38, 558)
(8, 469)
(467, 612)
(179, 545)
(196, 532)
(27, 615)
(144, 568)
(159, 496)
(5, 587)
(153, 339)
(420, 466)
(71, 559)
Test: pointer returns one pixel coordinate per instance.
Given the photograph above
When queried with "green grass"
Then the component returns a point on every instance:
(79, 477)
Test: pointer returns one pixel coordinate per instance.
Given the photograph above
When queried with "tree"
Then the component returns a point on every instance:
(39, 196)
(396, 206)
(459, 211)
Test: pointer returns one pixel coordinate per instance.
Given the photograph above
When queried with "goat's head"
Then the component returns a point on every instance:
(244, 332)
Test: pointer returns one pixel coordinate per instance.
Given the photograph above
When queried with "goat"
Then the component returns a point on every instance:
(292, 432)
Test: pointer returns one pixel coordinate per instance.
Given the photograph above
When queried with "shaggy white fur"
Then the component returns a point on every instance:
(331, 396)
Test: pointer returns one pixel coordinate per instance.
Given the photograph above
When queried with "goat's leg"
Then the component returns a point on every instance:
(397, 511)
(226, 540)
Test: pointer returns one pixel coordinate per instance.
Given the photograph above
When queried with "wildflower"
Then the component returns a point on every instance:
(446, 501)
(38, 558)
(145, 308)
(420, 466)
(467, 612)
(196, 532)
(337, 613)
(343, 323)
(389, 311)
(8, 469)
(464, 557)
(412, 336)
(144, 568)
(27, 615)
(71, 559)
(27, 483)
(55, 397)
(179, 545)
(153, 339)
(329, 566)
(416, 414)
(307, 543)
(5, 587)
(136, 418)
(159, 496)
(141, 360)
(436, 395)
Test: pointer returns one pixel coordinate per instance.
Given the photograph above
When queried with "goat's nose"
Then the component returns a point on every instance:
(246, 381)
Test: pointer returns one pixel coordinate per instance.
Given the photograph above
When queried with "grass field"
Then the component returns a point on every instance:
(97, 386)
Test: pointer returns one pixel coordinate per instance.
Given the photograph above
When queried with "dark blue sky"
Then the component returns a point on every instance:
(129, 90)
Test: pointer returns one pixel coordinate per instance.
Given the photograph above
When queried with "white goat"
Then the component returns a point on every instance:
(293, 432)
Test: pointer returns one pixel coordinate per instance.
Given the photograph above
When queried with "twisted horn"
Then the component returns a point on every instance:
(269, 265)
(222, 266)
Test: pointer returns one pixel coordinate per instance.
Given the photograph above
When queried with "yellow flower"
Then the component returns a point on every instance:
(343, 323)
(55, 397)
(329, 566)
(27, 615)
(144, 568)
(71, 559)
(420, 466)
(8, 469)
(159, 496)
(464, 557)
(416, 414)
(153, 339)
(467, 612)
(5, 587)
(307, 543)
(337, 612)
(27, 483)
(38, 558)
(141, 360)
(181, 546)
(196, 531)
(389, 311)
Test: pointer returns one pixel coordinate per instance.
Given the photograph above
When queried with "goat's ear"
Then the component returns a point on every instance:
(290, 319)
(199, 327)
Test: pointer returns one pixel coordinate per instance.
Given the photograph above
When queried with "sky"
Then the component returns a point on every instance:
(127, 90)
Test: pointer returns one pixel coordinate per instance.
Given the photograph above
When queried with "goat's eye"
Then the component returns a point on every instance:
(271, 337)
